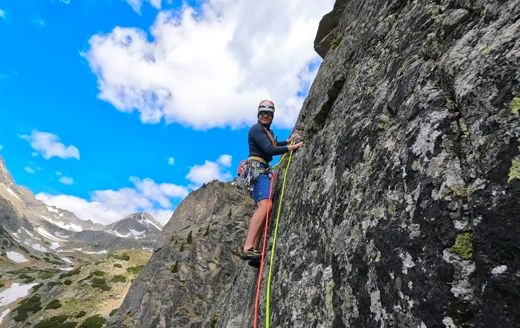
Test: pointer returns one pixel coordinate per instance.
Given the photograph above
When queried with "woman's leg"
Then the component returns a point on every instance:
(256, 225)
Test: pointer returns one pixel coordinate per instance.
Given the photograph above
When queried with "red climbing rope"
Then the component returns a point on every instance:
(264, 248)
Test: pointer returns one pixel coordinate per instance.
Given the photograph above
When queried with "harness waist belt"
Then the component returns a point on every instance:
(258, 159)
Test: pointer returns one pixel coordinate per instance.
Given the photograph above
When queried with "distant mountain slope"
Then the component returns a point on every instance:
(46, 229)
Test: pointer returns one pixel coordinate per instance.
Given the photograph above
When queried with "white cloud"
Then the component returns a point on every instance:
(29, 169)
(209, 171)
(107, 206)
(211, 67)
(48, 145)
(136, 4)
(171, 161)
(224, 160)
(67, 180)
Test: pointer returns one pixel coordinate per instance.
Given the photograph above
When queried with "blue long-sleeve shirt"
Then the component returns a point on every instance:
(261, 146)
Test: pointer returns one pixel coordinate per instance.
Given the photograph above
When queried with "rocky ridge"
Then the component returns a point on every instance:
(197, 261)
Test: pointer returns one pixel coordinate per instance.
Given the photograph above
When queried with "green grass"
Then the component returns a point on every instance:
(26, 278)
(56, 322)
(70, 273)
(67, 282)
(54, 304)
(32, 305)
(44, 274)
(100, 283)
(122, 257)
(175, 267)
(98, 273)
(80, 314)
(95, 321)
(135, 269)
(119, 278)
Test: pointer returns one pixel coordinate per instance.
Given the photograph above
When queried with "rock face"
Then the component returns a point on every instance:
(402, 207)
(190, 274)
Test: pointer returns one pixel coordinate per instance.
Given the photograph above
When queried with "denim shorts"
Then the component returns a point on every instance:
(261, 187)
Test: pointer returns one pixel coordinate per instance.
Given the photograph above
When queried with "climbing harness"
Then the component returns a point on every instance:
(248, 171)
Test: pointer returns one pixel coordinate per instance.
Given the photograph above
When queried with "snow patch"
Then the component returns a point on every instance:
(63, 225)
(16, 257)
(66, 259)
(155, 225)
(100, 252)
(37, 247)
(9, 190)
(15, 292)
(28, 232)
(66, 269)
(48, 235)
(119, 234)
(60, 235)
(137, 234)
(15, 236)
(88, 252)
(55, 245)
(2, 316)
(52, 209)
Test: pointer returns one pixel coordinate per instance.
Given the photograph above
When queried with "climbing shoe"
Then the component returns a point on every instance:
(250, 254)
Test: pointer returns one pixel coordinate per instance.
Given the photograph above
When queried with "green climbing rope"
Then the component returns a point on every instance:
(273, 246)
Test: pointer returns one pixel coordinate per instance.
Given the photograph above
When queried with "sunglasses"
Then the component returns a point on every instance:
(266, 114)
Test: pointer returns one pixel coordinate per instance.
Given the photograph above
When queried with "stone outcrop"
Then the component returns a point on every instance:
(326, 33)
(402, 207)
(189, 275)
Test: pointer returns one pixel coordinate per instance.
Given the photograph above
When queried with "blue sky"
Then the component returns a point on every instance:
(110, 107)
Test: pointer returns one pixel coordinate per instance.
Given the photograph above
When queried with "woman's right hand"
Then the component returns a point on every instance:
(295, 146)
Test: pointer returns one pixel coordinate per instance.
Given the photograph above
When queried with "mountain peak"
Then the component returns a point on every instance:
(139, 225)
(5, 176)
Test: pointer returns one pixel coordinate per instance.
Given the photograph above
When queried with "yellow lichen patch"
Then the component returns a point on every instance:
(463, 246)
(329, 297)
(514, 171)
(459, 191)
(515, 105)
